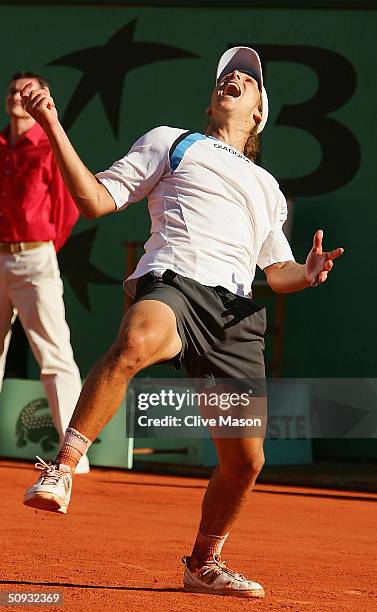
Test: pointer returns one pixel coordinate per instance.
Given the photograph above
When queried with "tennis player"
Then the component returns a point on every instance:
(215, 215)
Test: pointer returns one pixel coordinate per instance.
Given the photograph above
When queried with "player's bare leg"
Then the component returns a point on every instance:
(240, 461)
(148, 335)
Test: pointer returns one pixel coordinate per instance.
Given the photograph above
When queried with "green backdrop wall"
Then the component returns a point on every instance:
(118, 71)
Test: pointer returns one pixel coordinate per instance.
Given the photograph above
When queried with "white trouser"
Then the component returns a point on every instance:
(30, 283)
(3, 355)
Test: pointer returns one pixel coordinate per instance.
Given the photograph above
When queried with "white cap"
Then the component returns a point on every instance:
(245, 60)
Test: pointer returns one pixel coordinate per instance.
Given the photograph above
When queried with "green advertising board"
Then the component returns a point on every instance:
(27, 429)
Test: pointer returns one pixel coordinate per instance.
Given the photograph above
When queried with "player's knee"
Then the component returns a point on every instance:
(249, 472)
(246, 471)
(256, 466)
(131, 353)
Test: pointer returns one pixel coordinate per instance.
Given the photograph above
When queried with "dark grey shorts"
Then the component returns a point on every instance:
(222, 333)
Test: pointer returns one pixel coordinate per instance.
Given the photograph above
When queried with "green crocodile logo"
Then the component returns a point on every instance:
(35, 425)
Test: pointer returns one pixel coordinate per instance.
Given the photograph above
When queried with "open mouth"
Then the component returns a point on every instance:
(231, 89)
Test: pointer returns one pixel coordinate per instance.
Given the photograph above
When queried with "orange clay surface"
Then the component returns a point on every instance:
(119, 547)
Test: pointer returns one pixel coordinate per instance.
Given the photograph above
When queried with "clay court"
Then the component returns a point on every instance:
(120, 545)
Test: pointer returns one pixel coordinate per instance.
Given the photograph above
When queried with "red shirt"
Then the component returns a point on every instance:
(34, 202)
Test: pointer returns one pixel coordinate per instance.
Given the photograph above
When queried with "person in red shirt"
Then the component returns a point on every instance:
(37, 214)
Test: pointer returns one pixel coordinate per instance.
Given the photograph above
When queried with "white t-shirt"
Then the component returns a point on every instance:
(215, 214)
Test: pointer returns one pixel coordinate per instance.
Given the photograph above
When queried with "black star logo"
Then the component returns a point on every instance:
(105, 68)
(74, 262)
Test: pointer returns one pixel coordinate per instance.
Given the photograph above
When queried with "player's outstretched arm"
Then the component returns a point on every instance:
(289, 276)
(92, 198)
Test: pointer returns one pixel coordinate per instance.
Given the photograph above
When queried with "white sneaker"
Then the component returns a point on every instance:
(52, 491)
(215, 578)
(83, 466)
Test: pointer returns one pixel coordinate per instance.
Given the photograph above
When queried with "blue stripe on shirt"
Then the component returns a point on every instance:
(177, 153)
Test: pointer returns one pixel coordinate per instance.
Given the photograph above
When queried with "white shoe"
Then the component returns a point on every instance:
(52, 491)
(83, 466)
(215, 578)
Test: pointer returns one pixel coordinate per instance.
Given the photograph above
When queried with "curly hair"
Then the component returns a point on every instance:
(252, 145)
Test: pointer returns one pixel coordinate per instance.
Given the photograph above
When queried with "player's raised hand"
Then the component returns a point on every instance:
(40, 105)
(319, 262)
